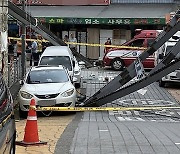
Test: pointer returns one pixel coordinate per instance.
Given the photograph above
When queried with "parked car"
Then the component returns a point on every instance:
(49, 86)
(118, 58)
(7, 121)
(61, 55)
(77, 74)
(143, 38)
(163, 51)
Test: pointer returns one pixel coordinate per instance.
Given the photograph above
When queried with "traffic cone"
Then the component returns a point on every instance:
(31, 130)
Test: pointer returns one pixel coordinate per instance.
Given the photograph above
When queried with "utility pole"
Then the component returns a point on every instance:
(23, 58)
(4, 38)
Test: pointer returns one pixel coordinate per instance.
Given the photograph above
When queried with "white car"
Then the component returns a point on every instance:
(163, 51)
(77, 74)
(49, 86)
(62, 55)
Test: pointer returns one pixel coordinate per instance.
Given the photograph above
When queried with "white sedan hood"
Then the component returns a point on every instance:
(47, 88)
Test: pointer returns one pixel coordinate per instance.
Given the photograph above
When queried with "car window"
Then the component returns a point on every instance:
(47, 76)
(137, 43)
(168, 49)
(150, 42)
(57, 60)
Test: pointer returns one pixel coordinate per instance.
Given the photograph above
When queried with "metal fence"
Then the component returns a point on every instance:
(14, 70)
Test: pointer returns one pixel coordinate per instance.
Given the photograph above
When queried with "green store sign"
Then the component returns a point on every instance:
(103, 21)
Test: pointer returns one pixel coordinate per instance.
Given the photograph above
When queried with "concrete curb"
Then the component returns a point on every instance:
(64, 143)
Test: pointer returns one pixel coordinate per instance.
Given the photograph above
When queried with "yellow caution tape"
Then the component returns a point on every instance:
(85, 44)
(104, 108)
(32, 107)
(103, 45)
(15, 38)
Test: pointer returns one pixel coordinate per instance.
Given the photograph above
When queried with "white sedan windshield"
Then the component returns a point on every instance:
(57, 60)
(47, 76)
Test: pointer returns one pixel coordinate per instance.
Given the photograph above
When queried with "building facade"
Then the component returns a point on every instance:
(93, 21)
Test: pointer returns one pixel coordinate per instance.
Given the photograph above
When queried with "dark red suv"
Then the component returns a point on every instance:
(118, 58)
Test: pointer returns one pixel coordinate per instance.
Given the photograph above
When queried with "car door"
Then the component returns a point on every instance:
(131, 57)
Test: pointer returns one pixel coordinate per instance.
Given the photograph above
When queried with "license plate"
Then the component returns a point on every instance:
(46, 102)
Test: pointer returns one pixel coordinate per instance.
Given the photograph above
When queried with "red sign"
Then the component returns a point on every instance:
(64, 2)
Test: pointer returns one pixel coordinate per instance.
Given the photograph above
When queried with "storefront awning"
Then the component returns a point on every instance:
(114, 14)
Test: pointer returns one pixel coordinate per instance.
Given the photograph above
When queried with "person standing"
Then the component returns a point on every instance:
(19, 48)
(39, 45)
(35, 54)
(108, 42)
(72, 39)
(44, 46)
(66, 39)
(11, 46)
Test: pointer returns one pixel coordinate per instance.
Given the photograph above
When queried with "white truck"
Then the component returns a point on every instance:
(163, 51)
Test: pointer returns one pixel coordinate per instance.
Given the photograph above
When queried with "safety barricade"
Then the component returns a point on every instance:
(31, 136)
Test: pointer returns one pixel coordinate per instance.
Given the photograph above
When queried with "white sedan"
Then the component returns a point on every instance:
(49, 86)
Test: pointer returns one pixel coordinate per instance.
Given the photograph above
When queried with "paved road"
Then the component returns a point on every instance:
(145, 132)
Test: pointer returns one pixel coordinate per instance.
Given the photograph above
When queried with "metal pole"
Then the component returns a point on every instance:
(23, 59)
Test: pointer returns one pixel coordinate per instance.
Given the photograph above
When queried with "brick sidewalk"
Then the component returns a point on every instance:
(175, 92)
(50, 130)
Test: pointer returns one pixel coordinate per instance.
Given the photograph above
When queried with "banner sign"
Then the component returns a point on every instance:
(103, 21)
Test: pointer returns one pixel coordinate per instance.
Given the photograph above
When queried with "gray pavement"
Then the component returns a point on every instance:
(122, 132)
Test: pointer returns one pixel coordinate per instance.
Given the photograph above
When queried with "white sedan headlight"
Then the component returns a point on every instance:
(26, 95)
(68, 93)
